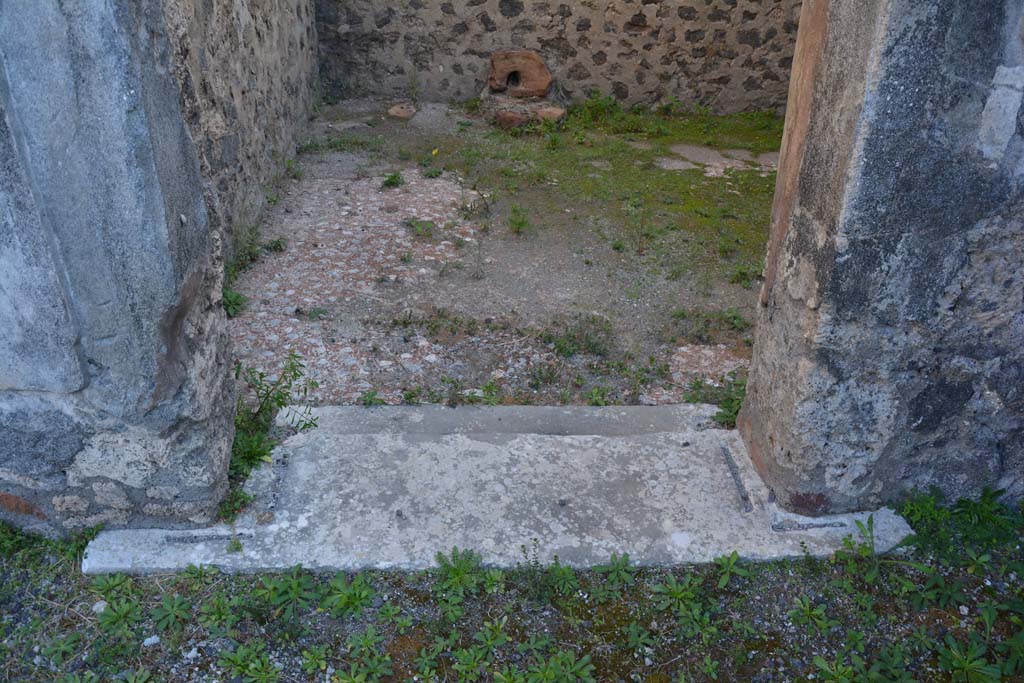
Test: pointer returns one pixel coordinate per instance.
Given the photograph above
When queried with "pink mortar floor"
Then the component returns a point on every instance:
(368, 300)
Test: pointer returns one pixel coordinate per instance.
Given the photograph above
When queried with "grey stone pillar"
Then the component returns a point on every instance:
(890, 346)
(115, 392)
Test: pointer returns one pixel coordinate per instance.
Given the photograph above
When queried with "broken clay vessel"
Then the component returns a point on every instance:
(519, 73)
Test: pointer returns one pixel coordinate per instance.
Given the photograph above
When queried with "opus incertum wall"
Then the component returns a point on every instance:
(247, 75)
(729, 55)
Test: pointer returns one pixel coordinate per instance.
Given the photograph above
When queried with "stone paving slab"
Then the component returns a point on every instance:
(550, 420)
(390, 487)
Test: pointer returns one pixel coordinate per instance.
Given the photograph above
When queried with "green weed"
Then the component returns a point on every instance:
(727, 395)
(392, 181)
(234, 302)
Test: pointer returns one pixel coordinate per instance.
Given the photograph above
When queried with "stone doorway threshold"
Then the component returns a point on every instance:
(389, 487)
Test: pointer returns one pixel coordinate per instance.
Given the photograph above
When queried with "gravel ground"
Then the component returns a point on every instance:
(948, 607)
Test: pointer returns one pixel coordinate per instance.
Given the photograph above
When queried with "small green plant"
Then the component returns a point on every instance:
(530, 573)
(253, 445)
(562, 579)
(345, 598)
(518, 221)
(288, 595)
(836, 671)
(199, 576)
(1012, 650)
(676, 596)
(276, 245)
(745, 274)
(86, 677)
(542, 375)
(392, 181)
(389, 612)
(112, 586)
(251, 663)
(432, 173)
(728, 567)
(491, 393)
(967, 663)
(494, 581)
(234, 302)
(426, 663)
(508, 674)
(564, 667)
(637, 212)
(492, 635)
(369, 661)
(292, 169)
(710, 667)
(470, 663)
(59, 650)
(598, 396)
(590, 334)
(370, 399)
(421, 228)
(218, 615)
(618, 572)
(172, 613)
(536, 645)
(807, 614)
(451, 605)
(977, 562)
(139, 676)
(314, 660)
(638, 639)
(460, 572)
(274, 395)
(402, 624)
(728, 396)
(249, 450)
(120, 617)
(705, 327)
(234, 502)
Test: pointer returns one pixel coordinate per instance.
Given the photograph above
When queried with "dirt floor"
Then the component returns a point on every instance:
(613, 258)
